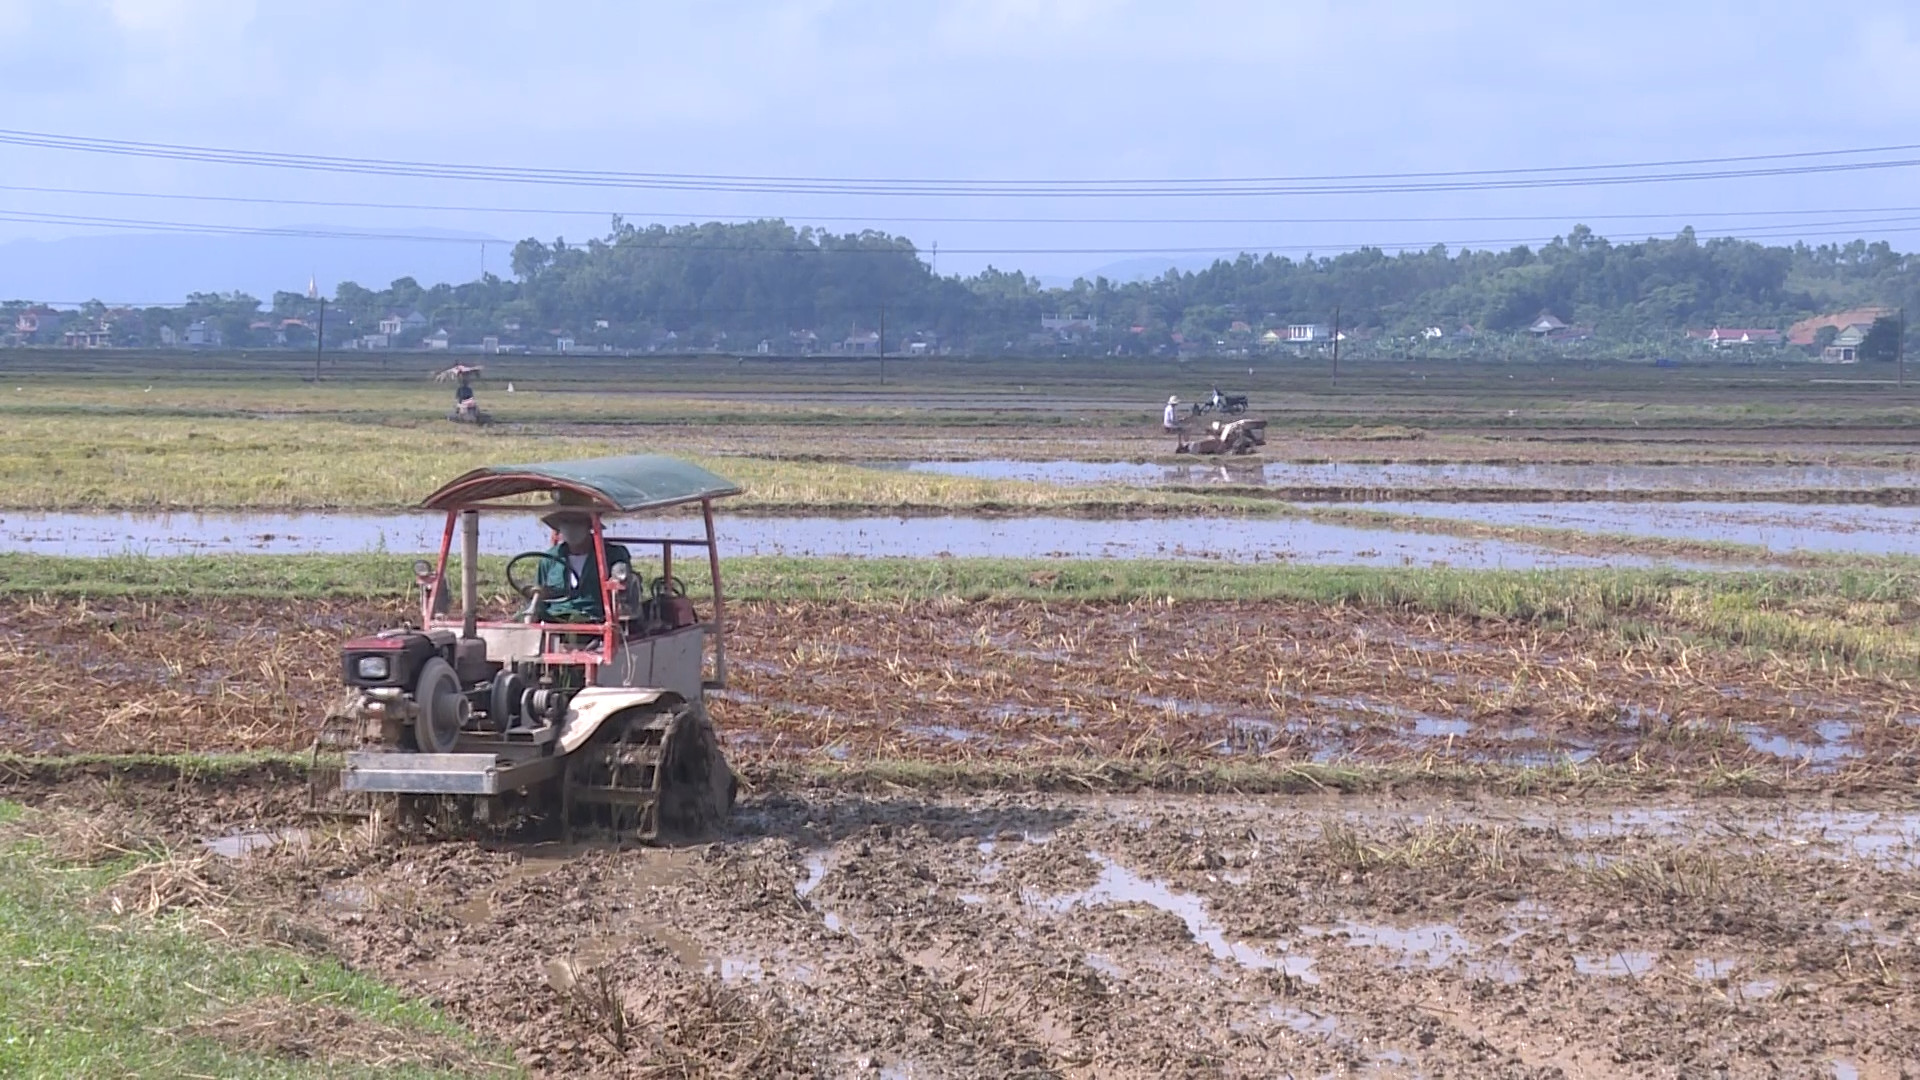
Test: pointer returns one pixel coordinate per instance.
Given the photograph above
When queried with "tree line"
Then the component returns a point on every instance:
(734, 286)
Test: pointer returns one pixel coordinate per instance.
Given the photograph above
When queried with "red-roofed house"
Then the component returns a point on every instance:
(1802, 332)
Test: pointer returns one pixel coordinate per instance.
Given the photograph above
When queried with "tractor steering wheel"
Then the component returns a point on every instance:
(534, 590)
(668, 586)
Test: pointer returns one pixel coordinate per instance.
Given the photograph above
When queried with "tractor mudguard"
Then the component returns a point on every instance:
(590, 708)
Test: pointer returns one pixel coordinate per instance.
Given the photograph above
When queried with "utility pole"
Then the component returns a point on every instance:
(1336, 343)
(1900, 347)
(320, 339)
(883, 343)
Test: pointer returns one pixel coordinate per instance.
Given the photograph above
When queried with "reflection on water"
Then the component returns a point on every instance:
(1225, 540)
(1701, 478)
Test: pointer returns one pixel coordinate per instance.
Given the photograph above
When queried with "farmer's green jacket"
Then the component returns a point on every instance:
(578, 599)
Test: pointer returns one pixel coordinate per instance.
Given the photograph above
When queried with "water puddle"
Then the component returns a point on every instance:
(1117, 885)
(1385, 477)
(816, 865)
(1247, 540)
(241, 844)
(1714, 968)
(1432, 945)
(1304, 1021)
(1780, 527)
(1828, 752)
(1615, 965)
(1505, 972)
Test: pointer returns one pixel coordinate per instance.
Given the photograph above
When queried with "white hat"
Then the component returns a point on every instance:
(1173, 399)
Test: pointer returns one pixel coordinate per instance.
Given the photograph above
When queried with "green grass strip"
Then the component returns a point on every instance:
(88, 995)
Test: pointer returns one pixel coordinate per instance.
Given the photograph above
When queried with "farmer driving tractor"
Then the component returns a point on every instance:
(573, 573)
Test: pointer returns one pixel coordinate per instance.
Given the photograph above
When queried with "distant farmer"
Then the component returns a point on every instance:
(1170, 420)
(576, 588)
(1217, 402)
(463, 395)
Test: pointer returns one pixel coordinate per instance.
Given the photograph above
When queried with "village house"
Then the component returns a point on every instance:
(1805, 331)
(1307, 333)
(439, 340)
(38, 326)
(202, 334)
(859, 342)
(1845, 348)
(396, 324)
(87, 334)
(1546, 324)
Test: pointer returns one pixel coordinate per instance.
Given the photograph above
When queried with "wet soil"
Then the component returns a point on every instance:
(830, 934)
(1021, 682)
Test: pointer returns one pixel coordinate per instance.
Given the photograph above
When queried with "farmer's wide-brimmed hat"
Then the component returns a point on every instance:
(1173, 399)
(566, 506)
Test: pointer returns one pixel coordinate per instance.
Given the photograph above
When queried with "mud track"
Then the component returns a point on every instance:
(1112, 936)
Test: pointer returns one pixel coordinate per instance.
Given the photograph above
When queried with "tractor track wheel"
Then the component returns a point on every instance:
(698, 787)
(655, 773)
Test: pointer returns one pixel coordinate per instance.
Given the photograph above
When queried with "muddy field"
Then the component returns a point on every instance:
(1265, 682)
(904, 936)
(1706, 860)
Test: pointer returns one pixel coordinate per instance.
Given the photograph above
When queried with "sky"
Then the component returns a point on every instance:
(940, 89)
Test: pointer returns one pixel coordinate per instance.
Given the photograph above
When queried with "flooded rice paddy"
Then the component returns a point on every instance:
(1244, 540)
(1777, 527)
(1705, 480)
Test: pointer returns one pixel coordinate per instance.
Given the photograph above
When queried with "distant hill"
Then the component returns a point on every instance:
(1149, 268)
(165, 267)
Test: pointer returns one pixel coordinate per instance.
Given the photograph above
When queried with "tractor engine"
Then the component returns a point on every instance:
(419, 689)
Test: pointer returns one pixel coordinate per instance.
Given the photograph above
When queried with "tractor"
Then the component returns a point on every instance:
(585, 702)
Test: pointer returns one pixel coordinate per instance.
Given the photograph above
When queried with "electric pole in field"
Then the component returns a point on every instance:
(883, 343)
(1336, 343)
(1900, 347)
(319, 339)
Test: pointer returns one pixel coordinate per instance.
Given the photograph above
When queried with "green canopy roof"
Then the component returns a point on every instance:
(623, 484)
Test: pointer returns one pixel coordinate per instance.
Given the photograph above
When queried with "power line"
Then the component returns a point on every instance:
(340, 204)
(215, 229)
(1589, 175)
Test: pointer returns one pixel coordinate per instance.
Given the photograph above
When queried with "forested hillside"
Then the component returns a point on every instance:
(734, 286)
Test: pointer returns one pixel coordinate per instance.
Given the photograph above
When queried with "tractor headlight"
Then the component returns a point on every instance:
(619, 572)
(422, 570)
(373, 668)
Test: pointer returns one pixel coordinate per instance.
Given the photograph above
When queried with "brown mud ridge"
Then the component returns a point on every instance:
(834, 935)
(1019, 683)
